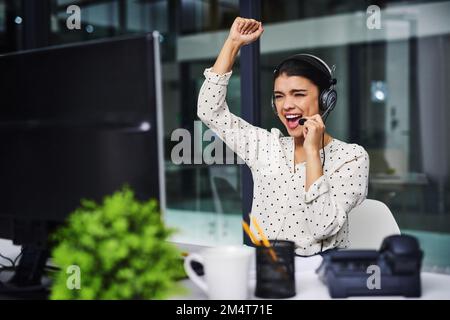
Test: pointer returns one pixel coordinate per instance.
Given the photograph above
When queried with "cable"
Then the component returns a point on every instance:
(323, 164)
(8, 259)
(323, 149)
(279, 230)
(11, 288)
(13, 262)
(52, 268)
(18, 256)
(324, 119)
(6, 287)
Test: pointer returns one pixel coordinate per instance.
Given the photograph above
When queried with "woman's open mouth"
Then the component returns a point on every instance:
(292, 120)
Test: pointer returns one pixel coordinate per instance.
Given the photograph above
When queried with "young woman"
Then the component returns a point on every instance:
(304, 184)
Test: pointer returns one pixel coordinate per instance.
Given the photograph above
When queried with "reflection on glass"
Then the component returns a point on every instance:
(202, 16)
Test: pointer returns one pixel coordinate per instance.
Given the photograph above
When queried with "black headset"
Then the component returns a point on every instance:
(328, 96)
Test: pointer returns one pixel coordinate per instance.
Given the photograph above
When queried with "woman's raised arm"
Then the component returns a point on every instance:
(239, 135)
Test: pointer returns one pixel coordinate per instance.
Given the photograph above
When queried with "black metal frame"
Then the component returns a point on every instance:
(250, 98)
(36, 22)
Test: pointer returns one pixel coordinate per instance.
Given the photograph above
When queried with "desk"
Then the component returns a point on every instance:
(309, 287)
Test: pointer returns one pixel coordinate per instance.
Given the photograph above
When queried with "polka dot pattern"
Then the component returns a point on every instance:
(315, 220)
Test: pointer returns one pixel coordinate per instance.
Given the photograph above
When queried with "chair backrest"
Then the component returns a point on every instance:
(224, 183)
(369, 223)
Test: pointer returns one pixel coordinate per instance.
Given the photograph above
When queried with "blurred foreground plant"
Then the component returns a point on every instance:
(121, 250)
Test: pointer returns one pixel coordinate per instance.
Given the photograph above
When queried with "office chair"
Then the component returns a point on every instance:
(369, 223)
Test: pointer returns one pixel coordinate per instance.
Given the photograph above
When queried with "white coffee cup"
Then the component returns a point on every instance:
(226, 271)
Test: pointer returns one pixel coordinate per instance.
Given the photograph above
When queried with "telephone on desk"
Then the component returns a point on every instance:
(354, 272)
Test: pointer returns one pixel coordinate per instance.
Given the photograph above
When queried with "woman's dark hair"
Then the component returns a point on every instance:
(296, 67)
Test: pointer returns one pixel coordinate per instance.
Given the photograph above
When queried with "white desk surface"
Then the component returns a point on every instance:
(309, 287)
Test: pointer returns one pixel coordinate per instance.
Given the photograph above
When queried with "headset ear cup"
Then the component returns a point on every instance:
(274, 107)
(331, 99)
(323, 101)
(328, 99)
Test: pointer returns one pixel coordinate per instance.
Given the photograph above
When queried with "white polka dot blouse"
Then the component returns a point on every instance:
(315, 220)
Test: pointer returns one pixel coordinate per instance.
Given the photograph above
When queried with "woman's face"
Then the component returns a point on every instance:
(295, 97)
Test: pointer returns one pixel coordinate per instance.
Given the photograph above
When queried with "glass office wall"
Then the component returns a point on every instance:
(100, 19)
(2, 16)
(10, 25)
(206, 16)
(208, 204)
(204, 201)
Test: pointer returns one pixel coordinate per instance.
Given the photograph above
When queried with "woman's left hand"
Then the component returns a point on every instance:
(313, 129)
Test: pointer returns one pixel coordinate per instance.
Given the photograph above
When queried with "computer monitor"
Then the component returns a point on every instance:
(77, 121)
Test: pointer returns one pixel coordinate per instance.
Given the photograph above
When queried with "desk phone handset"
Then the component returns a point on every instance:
(392, 270)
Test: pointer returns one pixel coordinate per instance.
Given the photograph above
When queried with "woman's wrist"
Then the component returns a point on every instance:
(227, 56)
(313, 168)
(234, 44)
(312, 153)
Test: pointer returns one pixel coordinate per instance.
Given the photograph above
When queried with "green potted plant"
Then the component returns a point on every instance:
(120, 250)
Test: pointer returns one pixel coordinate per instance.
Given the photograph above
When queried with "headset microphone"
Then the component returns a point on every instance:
(324, 115)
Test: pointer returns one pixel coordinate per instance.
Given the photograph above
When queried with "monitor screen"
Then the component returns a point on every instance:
(76, 121)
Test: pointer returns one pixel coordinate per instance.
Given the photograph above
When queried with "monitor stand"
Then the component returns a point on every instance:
(26, 283)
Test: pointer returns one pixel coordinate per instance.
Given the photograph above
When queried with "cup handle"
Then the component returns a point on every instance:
(192, 274)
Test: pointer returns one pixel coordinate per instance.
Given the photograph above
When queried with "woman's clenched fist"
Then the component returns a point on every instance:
(245, 31)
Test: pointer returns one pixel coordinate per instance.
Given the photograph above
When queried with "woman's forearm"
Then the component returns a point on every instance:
(225, 61)
(313, 169)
